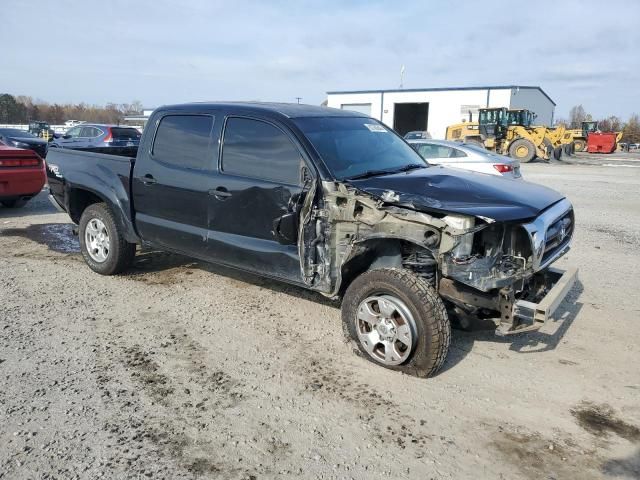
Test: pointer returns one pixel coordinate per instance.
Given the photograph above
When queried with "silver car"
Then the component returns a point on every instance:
(466, 156)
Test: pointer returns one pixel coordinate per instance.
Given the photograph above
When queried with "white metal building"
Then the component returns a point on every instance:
(433, 109)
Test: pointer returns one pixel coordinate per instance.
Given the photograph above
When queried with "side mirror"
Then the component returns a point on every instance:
(285, 229)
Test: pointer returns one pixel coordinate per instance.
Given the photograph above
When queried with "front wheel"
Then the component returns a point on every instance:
(101, 242)
(522, 149)
(397, 320)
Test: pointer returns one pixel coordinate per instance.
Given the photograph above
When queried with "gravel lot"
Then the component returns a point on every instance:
(181, 369)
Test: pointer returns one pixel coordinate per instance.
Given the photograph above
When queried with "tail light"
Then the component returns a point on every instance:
(109, 137)
(503, 167)
(20, 162)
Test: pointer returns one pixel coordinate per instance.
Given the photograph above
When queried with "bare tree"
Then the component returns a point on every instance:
(631, 131)
(577, 115)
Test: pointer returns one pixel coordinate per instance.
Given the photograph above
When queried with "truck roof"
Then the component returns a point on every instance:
(289, 110)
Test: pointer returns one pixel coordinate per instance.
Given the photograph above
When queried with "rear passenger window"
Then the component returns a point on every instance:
(257, 149)
(184, 141)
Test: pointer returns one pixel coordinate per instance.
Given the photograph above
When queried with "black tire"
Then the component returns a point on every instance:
(557, 153)
(432, 326)
(548, 148)
(121, 252)
(567, 149)
(579, 145)
(522, 149)
(15, 203)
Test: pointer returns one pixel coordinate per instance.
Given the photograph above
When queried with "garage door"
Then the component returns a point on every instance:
(358, 107)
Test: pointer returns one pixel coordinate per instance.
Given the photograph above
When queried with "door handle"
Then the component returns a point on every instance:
(220, 193)
(148, 179)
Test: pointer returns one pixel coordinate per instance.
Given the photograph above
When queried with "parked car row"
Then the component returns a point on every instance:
(123, 140)
(22, 155)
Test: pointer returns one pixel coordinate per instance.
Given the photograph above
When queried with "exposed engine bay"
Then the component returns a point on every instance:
(480, 266)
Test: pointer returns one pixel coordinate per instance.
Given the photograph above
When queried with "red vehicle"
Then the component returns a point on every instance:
(22, 176)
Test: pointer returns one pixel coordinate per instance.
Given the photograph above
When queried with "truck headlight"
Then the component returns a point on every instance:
(464, 242)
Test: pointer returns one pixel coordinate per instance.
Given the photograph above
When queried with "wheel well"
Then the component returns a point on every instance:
(79, 200)
(387, 253)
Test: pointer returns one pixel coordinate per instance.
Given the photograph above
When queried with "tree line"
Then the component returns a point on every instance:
(22, 109)
(630, 129)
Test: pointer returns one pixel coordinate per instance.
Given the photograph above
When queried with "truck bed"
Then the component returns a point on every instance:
(104, 175)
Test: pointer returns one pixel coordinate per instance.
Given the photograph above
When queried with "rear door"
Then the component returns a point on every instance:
(91, 137)
(171, 181)
(255, 197)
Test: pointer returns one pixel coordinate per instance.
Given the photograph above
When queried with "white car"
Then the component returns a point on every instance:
(73, 123)
(466, 156)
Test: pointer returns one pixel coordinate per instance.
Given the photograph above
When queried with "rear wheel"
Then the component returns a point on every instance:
(579, 145)
(548, 148)
(567, 148)
(557, 153)
(397, 320)
(14, 203)
(101, 242)
(522, 149)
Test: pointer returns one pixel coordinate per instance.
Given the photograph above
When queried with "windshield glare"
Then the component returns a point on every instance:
(351, 146)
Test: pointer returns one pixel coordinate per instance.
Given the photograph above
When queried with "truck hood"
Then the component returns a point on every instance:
(450, 190)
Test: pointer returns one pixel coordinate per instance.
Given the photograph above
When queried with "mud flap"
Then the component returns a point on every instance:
(529, 316)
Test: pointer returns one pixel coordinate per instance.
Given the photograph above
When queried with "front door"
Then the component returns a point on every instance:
(255, 199)
(171, 181)
(70, 138)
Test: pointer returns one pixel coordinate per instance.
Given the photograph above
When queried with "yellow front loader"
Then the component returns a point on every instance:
(497, 131)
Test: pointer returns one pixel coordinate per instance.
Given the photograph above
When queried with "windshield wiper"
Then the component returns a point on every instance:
(370, 173)
(374, 173)
(411, 166)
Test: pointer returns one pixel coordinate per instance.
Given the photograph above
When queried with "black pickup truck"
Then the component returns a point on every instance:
(333, 201)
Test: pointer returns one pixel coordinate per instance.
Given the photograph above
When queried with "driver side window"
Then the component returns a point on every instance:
(74, 132)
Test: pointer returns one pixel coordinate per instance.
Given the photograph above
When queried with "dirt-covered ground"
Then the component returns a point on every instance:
(181, 369)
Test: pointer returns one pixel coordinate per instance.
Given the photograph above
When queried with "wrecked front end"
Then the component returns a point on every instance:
(483, 268)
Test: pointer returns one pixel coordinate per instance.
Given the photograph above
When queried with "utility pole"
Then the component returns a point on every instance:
(298, 98)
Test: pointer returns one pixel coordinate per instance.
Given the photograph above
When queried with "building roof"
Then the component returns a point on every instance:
(289, 110)
(448, 89)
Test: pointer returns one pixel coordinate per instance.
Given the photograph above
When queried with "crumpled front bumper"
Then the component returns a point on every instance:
(527, 316)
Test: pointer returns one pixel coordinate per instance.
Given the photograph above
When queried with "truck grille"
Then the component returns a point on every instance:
(550, 234)
(558, 235)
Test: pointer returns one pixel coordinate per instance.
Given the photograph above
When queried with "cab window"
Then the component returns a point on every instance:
(184, 141)
(257, 149)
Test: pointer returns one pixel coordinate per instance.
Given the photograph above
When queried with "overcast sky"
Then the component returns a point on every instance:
(160, 51)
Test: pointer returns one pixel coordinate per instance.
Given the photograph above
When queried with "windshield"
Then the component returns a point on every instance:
(14, 132)
(353, 146)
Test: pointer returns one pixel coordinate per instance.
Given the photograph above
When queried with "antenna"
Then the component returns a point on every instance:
(402, 77)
